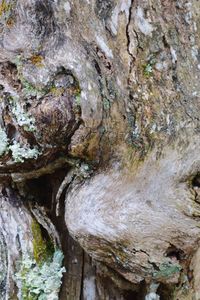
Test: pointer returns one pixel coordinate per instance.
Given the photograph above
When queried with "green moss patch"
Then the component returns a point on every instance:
(43, 248)
(167, 270)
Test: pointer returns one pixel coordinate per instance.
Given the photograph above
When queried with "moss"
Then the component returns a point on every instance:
(77, 90)
(167, 270)
(10, 22)
(78, 100)
(30, 90)
(42, 248)
(37, 60)
(4, 7)
(74, 90)
(6, 12)
(27, 87)
(57, 91)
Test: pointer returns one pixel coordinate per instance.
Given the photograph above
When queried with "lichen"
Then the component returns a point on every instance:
(40, 282)
(106, 104)
(148, 70)
(23, 118)
(148, 67)
(19, 153)
(3, 142)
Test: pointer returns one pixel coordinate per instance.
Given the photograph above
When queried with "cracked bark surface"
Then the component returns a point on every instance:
(99, 145)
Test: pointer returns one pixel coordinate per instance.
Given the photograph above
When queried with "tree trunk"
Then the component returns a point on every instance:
(99, 149)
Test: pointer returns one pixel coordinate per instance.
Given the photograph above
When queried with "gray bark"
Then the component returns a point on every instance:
(99, 146)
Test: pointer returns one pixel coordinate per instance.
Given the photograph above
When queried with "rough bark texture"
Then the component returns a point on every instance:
(99, 149)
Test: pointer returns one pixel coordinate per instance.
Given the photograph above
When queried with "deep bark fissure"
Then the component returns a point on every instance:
(99, 138)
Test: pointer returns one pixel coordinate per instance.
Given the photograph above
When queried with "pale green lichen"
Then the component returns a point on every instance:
(3, 142)
(106, 104)
(40, 281)
(23, 118)
(19, 153)
(148, 68)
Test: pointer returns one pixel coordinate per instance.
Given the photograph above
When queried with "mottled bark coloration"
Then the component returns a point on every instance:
(99, 149)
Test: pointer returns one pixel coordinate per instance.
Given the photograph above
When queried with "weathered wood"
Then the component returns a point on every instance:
(114, 86)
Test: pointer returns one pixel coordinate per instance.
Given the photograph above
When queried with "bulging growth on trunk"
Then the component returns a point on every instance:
(99, 149)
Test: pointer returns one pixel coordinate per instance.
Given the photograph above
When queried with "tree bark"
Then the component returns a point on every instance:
(99, 149)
